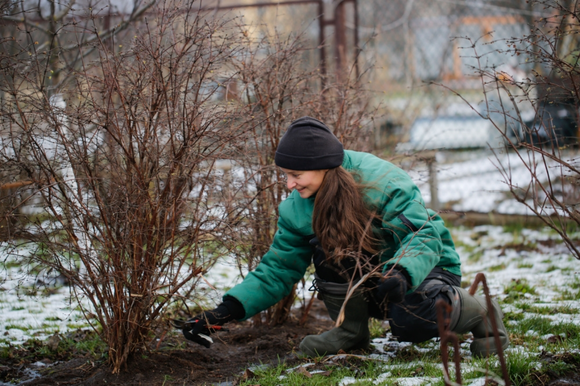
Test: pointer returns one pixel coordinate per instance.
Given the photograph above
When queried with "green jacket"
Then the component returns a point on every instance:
(412, 236)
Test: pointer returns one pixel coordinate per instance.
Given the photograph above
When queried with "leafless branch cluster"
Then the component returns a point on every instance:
(58, 36)
(121, 164)
(545, 142)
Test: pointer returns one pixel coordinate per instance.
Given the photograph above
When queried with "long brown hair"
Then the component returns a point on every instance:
(341, 220)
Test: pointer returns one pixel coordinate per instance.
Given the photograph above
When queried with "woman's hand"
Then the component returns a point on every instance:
(392, 287)
(199, 328)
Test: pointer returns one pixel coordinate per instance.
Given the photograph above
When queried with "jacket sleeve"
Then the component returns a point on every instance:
(417, 240)
(281, 267)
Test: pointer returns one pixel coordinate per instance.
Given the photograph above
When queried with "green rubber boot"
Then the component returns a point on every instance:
(472, 317)
(352, 334)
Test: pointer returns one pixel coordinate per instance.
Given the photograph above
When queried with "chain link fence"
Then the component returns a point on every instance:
(421, 48)
(415, 56)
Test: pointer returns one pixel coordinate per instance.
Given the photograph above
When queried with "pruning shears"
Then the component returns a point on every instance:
(181, 324)
(186, 325)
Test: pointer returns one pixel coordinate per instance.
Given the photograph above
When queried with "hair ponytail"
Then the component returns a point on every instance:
(341, 220)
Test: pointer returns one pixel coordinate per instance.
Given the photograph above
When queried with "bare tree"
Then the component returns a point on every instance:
(121, 162)
(545, 146)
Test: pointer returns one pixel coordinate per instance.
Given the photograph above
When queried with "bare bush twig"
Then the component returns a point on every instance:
(122, 166)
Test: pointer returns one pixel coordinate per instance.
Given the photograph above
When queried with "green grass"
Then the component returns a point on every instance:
(475, 256)
(514, 228)
(525, 265)
(548, 310)
(570, 295)
(572, 229)
(7, 264)
(81, 343)
(473, 252)
(537, 370)
(570, 291)
(518, 289)
(539, 324)
(499, 267)
(514, 316)
(74, 326)
(48, 327)
(570, 330)
(521, 368)
(561, 368)
(575, 284)
(366, 372)
(533, 334)
(376, 328)
(468, 248)
(11, 326)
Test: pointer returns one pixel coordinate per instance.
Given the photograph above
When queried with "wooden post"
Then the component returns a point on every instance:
(433, 185)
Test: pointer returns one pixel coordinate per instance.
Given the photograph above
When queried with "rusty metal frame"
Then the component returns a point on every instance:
(338, 22)
(480, 278)
(447, 336)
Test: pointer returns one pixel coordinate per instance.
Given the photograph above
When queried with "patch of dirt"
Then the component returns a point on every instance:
(177, 361)
(518, 247)
(571, 377)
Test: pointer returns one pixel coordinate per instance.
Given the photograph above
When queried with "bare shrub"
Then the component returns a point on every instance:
(543, 141)
(121, 163)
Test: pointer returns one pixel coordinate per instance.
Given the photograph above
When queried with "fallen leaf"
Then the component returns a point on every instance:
(248, 374)
(303, 371)
(52, 342)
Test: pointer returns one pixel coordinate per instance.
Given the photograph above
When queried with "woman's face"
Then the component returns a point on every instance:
(306, 182)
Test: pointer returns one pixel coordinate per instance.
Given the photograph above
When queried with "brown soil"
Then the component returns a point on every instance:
(177, 361)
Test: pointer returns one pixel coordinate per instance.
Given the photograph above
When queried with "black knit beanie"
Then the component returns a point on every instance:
(309, 145)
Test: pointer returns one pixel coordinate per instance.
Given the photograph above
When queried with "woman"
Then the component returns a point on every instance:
(361, 220)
